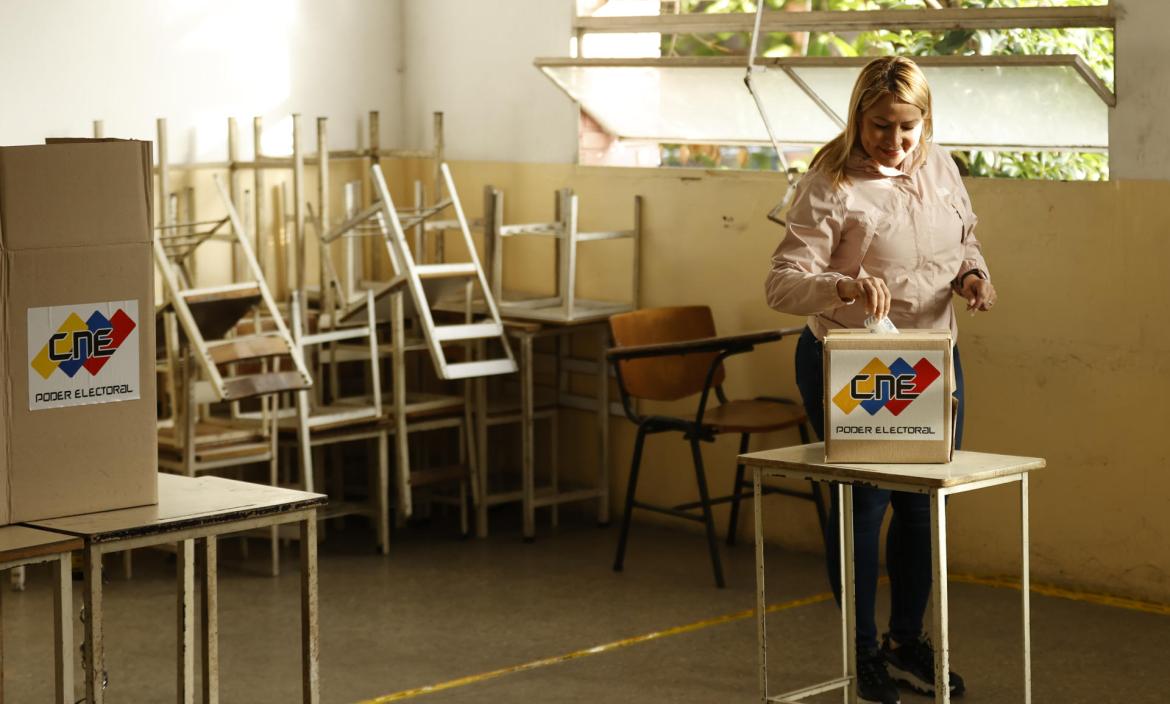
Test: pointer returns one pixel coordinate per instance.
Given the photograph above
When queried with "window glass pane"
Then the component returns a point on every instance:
(998, 106)
(680, 104)
(1038, 107)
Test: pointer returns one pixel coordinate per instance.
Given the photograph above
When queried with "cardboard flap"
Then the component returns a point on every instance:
(905, 338)
(73, 193)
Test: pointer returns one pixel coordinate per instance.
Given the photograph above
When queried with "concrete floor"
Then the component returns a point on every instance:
(440, 608)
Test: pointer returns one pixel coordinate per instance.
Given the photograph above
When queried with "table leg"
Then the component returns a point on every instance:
(272, 405)
(761, 600)
(310, 671)
(1026, 589)
(95, 648)
(186, 616)
(209, 621)
(848, 589)
(304, 444)
(603, 426)
(401, 438)
(63, 627)
(481, 440)
(564, 352)
(938, 545)
(527, 439)
(383, 489)
(1, 645)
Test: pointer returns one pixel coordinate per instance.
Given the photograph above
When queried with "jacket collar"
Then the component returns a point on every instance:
(861, 162)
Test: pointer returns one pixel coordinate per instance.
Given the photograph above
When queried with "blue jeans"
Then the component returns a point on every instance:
(908, 540)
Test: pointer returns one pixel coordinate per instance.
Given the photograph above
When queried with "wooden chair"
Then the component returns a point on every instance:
(667, 354)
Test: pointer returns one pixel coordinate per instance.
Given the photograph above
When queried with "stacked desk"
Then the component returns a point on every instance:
(525, 324)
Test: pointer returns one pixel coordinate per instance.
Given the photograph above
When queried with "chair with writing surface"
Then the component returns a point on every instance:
(668, 354)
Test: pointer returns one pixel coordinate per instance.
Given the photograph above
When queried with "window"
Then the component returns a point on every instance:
(1009, 98)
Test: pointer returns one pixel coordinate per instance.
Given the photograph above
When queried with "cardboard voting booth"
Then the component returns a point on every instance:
(77, 407)
(889, 397)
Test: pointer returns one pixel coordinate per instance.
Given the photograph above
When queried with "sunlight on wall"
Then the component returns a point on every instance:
(245, 49)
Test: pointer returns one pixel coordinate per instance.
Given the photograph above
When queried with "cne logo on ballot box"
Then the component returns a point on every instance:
(888, 396)
(892, 387)
(82, 354)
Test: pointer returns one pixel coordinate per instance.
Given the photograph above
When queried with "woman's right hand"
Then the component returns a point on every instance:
(875, 292)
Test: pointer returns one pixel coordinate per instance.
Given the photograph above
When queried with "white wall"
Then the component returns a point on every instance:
(197, 62)
(1139, 128)
(68, 62)
(472, 60)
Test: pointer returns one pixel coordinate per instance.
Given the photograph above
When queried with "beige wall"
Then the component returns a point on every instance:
(1072, 365)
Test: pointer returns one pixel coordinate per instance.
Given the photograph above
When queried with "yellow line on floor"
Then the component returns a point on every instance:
(1119, 602)
(1001, 582)
(596, 650)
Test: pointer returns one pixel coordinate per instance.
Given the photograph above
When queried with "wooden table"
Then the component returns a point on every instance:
(192, 511)
(526, 330)
(21, 546)
(968, 472)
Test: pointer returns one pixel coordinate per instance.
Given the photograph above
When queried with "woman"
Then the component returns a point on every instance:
(881, 225)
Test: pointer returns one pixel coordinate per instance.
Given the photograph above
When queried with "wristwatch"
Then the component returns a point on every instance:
(965, 274)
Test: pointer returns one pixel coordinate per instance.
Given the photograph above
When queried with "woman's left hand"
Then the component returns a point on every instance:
(979, 294)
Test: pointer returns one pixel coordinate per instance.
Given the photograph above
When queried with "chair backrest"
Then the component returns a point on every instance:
(672, 377)
(342, 409)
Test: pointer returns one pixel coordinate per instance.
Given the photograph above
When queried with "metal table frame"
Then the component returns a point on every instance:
(196, 531)
(805, 462)
(38, 546)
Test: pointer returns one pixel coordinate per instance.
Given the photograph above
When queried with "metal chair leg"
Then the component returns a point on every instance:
(733, 522)
(705, 499)
(630, 489)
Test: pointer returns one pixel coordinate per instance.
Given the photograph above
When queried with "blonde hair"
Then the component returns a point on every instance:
(887, 75)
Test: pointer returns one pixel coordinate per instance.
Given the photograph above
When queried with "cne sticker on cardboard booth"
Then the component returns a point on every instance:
(82, 354)
(888, 397)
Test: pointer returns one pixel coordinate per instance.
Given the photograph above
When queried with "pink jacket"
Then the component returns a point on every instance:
(915, 230)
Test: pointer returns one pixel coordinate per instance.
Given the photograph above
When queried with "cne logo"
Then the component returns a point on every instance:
(79, 344)
(894, 387)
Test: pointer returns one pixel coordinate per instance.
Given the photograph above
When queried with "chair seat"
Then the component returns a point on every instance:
(753, 416)
(420, 404)
(341, 416)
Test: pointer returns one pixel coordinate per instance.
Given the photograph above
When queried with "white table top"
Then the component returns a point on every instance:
(185, 502)
(967, 467)
(20, 543)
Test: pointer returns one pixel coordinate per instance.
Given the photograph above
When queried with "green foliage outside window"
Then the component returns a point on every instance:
(1093, 45)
